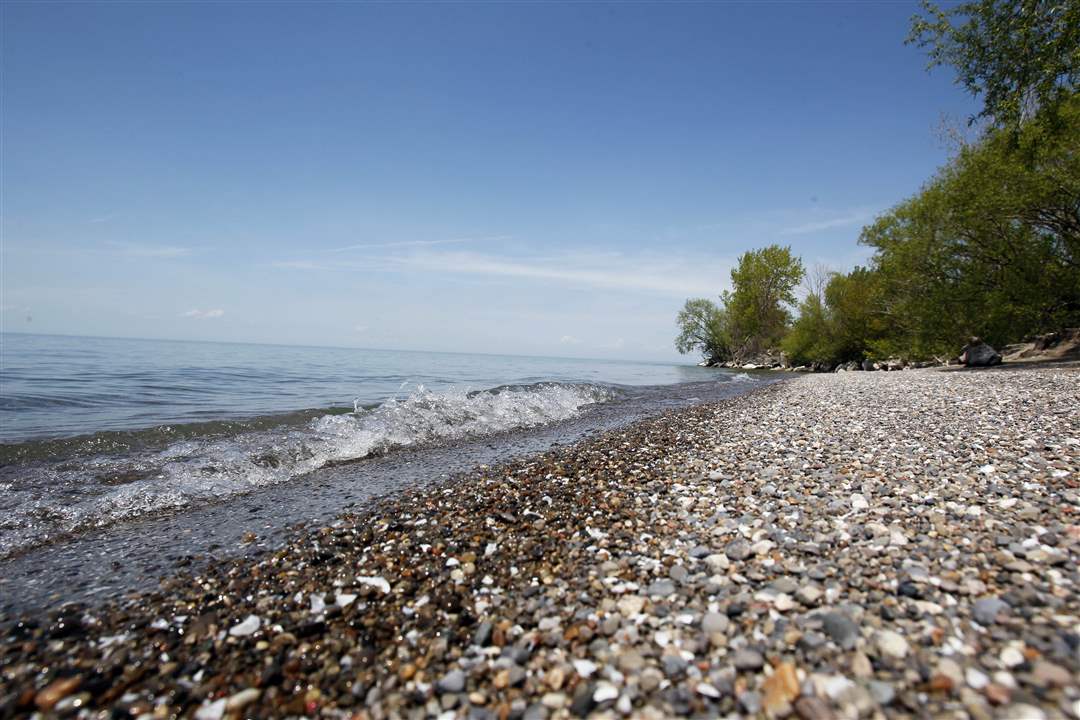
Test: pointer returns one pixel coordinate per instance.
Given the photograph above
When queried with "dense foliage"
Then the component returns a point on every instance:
(751, 318)
(1020, 56)
(989, 247)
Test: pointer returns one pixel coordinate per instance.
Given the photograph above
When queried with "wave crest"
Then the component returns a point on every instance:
(55, 498)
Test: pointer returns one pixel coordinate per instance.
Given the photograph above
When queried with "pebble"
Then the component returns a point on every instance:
(452, 682)
(891, 644)
(630, 605)
(715, 622)
(883, 693)
(840, 629)
(986, 610)
(662, 588)
(746, 659)
(1011, 657)
(737, 550)
(246, 627)
(604, 692)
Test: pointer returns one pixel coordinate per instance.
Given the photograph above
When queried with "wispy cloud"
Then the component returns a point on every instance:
(203, 314)
(569, 340)
(665, 274)
(102, 219)
(417, 243)
(660, 274)
(847, 220)
(148, 251)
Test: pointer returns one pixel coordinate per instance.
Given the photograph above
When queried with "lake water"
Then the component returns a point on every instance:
(107, 444)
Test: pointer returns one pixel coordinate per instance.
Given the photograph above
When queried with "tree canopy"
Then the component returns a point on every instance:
(1019, 56)
(753, 316)
(990, 246)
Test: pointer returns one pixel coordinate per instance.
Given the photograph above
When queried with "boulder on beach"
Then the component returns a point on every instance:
(978, 354)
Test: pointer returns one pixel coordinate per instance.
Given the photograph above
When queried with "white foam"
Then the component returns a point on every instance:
(70, 497)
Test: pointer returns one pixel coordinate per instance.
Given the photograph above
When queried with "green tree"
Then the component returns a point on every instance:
(843, 322)
(763, 291)
(809, 338)
(703, 328)
(991, 245)
(1019, 55)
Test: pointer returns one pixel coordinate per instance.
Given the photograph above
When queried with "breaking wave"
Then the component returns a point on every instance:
(98, 481)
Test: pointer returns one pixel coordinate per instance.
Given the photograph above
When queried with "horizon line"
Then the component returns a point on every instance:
(333, 347)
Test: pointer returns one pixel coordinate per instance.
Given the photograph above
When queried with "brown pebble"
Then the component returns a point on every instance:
(780, 688)
(56, 691)
(812, 708)
(997, 694)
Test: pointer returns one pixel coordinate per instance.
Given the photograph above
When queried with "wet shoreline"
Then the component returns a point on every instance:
(853, 545)
(95, 565)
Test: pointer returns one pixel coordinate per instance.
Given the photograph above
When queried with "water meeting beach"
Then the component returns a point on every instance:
(899, 544)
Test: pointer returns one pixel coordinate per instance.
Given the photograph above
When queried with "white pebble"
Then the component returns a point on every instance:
(707, 690)
(604, 691)
(976, 678)
(375, 582)
(247, 627)
(892, 644)
(1011, 657)
(584, 668)
(211, 711)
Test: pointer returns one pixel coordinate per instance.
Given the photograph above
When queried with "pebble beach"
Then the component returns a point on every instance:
(851, 545)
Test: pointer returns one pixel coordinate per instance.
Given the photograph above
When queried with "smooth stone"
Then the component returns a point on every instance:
(892, 644)
(482, 636)
(1047, 674)
(746, 659)
(673, 665)
(882, 692)
(714, 622)
(750, 702)
(604, 692)
(630, 662)
(582, 703)
(662, 588)
(1023, 711)
(737, 550)
(452, 682)
(986, 610)
(840, 629)
(630, 605)
(678, 573)
(249, 625)
(809, 707)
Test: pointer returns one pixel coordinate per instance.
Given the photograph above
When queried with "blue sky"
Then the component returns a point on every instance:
(527, 178)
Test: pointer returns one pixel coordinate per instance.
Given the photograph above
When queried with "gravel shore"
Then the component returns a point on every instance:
(852, 545)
